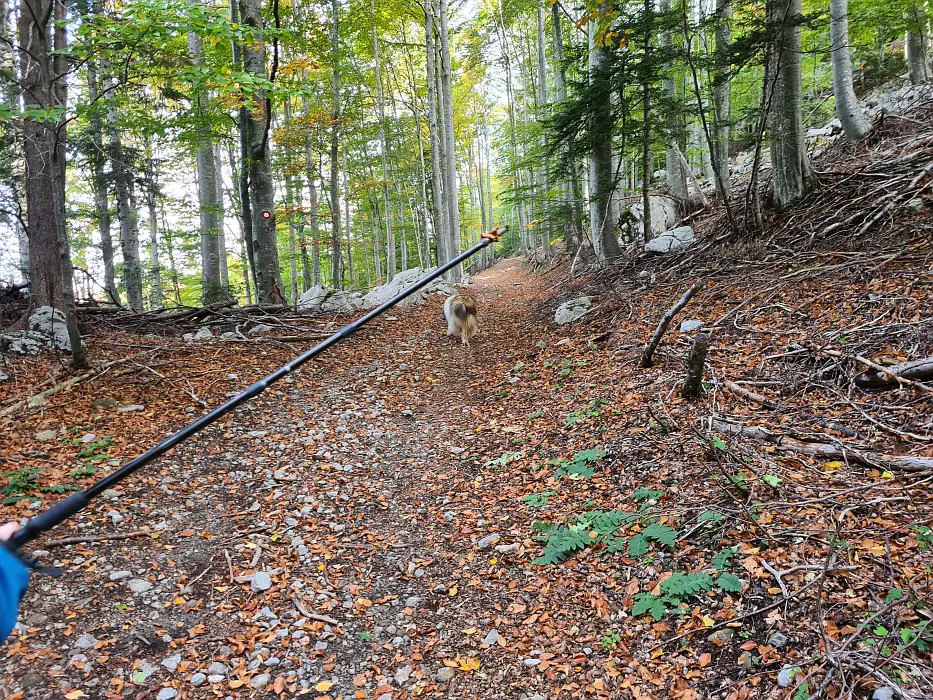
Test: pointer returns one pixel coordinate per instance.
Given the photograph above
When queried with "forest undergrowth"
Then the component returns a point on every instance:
(536, 517)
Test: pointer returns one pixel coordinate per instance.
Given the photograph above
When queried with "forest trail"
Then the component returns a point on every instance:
(353, 486)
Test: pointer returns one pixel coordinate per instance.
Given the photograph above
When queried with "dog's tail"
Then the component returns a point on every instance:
(459, 309)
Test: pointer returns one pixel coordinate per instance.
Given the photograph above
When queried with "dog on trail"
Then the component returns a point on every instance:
(460, 312)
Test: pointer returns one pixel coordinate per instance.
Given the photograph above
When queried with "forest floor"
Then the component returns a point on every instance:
(536, 517)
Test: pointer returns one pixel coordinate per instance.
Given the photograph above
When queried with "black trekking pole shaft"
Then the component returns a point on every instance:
(76, 502)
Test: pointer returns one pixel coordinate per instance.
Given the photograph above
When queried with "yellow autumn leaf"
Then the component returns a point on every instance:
(450, 663)
(237, 684)
(708, 621)
(493, 560)
(887, 475)
(452, 591)
(469, 630)
(323, 686)
(833, 465)
(75, 694)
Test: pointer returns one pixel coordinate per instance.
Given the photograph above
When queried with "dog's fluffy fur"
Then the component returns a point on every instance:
(460, 312)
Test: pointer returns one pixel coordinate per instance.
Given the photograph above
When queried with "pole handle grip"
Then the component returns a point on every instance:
(48, 519)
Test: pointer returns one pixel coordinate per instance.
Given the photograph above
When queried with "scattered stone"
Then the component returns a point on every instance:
(23, 343)
(723, 636)
(671, 241)
(272, 661)
(132, 408)
(259, 329)
(111, 494)
(444, 675)
(530, 663)
(46, 435)
(690, 326)
(4, 377)
(217, 669)
(171, 662)
(785, 676)
(261, 581)
(747, 662)
(413, 601)
(403, 280)
(115, 517)
(570, 311)
(35, 619)
(882, 694)
(507, 548)
(491, 638)
(778, 640)
(103, 403)
(88, 437)
(85, 641)
(198, 679)
(260, 682)
(664, 214)
(488, 540)
(167, 694)
(312, 299)
(118, 575)
(31, 680)
(403, 674)
(138, 585)
(385, 696)
(216, 679)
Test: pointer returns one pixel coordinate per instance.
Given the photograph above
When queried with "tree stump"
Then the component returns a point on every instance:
(696, 365)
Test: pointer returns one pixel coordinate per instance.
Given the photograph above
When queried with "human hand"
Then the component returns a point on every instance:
(6, 531)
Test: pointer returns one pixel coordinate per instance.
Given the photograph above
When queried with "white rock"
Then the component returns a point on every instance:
(403, 280)
(261, 581)
(117, 575)
(261, 681)
(217, 669)
(171, 662)
(167, 694)
(664, 213)
(51, 324)
(198, 679)
(690, 326)
(491, 637)
(785, 676)
(132, 408)
(342, 302)
(312, 299)
(570, 311)
(138, 585)
(673, 240)
(85, 641)
(204, 333)
(259, 329)
(882, 694)
(403, 674)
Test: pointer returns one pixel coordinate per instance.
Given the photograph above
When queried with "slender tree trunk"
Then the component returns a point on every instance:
(450, 160)
(211, 285)
(542, 100)
(221, 231)
(602, 180)
(129, 234)
(262, 195)
(155, 270)
(243, 217)
(437, 206)
(243, 121)
(673, 123)
(513, 141)
(915, 45)
(351, 273)
(790, 165)
(99, 177)
(390, 236)
(646, 168)
(336, 262)
(313, 174)
(722, 90)
(854, 123)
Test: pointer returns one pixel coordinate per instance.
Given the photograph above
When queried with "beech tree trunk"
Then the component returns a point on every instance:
(336, 262)
(722, 91)
(391, 263)
(854, 123)
(221, 232)
(915, 46)
(313, 173)
(450, 157)
(437, 205)
(211, 288)
(242, 178)
(675, 175)
(269, 288)
(155, 270)
(790, 164)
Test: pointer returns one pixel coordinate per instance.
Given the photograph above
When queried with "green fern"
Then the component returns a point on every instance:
(661, 534)
(504, 459)
(647, 604)
(721, 560)
(684, 585)
(560, 542)
(730, 583)
(638, 546)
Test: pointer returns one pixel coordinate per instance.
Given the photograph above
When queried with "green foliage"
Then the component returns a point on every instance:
(646, 494)
(718, 444)
(504, 459)
(722, 559)
(894, 594)
(924, 537)
(592, 528)
(580, 465)
(95, 451)
(682, 585)
(581, 415)
(538, 500)
(712, 516)
(679, 588)
(21, 483)
(610, 640)
(771, 480)
(730, 583)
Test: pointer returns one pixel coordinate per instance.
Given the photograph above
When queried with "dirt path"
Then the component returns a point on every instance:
(341, 495)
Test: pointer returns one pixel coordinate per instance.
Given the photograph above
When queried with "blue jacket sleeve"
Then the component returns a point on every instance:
(14, 578)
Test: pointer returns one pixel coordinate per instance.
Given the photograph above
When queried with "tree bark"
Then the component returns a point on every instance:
(155, 270)
(437, 212)
(269, 288)
(696, 365)
(391, 263)
(675, 175)
(221, 231)
(722, 91)
(854, 123)
(450, 160)
(336, 262)
(313, 173)
(790, 164)
(602, 180)
(915, 46)
(351, 273)
(242, 181)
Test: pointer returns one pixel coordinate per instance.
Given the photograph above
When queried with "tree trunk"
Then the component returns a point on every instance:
(351, 273)
(646, 166)
(155, 269)
(450, 157)
(39, 142)
(854, 123)
(391, 263)
(544, 184)
(513, 141)
(790, 164)
(915, 46)
(313, 174)
(242, 181)
(722, 90)
(673, 121)
(437, 213)
(262, 195)
(99, 177)
(221, 231)
(336, 262)
(211, 289)
(602, 180)
(129, 233)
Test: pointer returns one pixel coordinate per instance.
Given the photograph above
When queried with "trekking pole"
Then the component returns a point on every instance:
(79, 500)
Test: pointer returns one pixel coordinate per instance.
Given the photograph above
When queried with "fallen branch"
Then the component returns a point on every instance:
(81, 539)
(310, 615)
(866, 458)
(666, 319)
(894, 377)
(917, 370)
